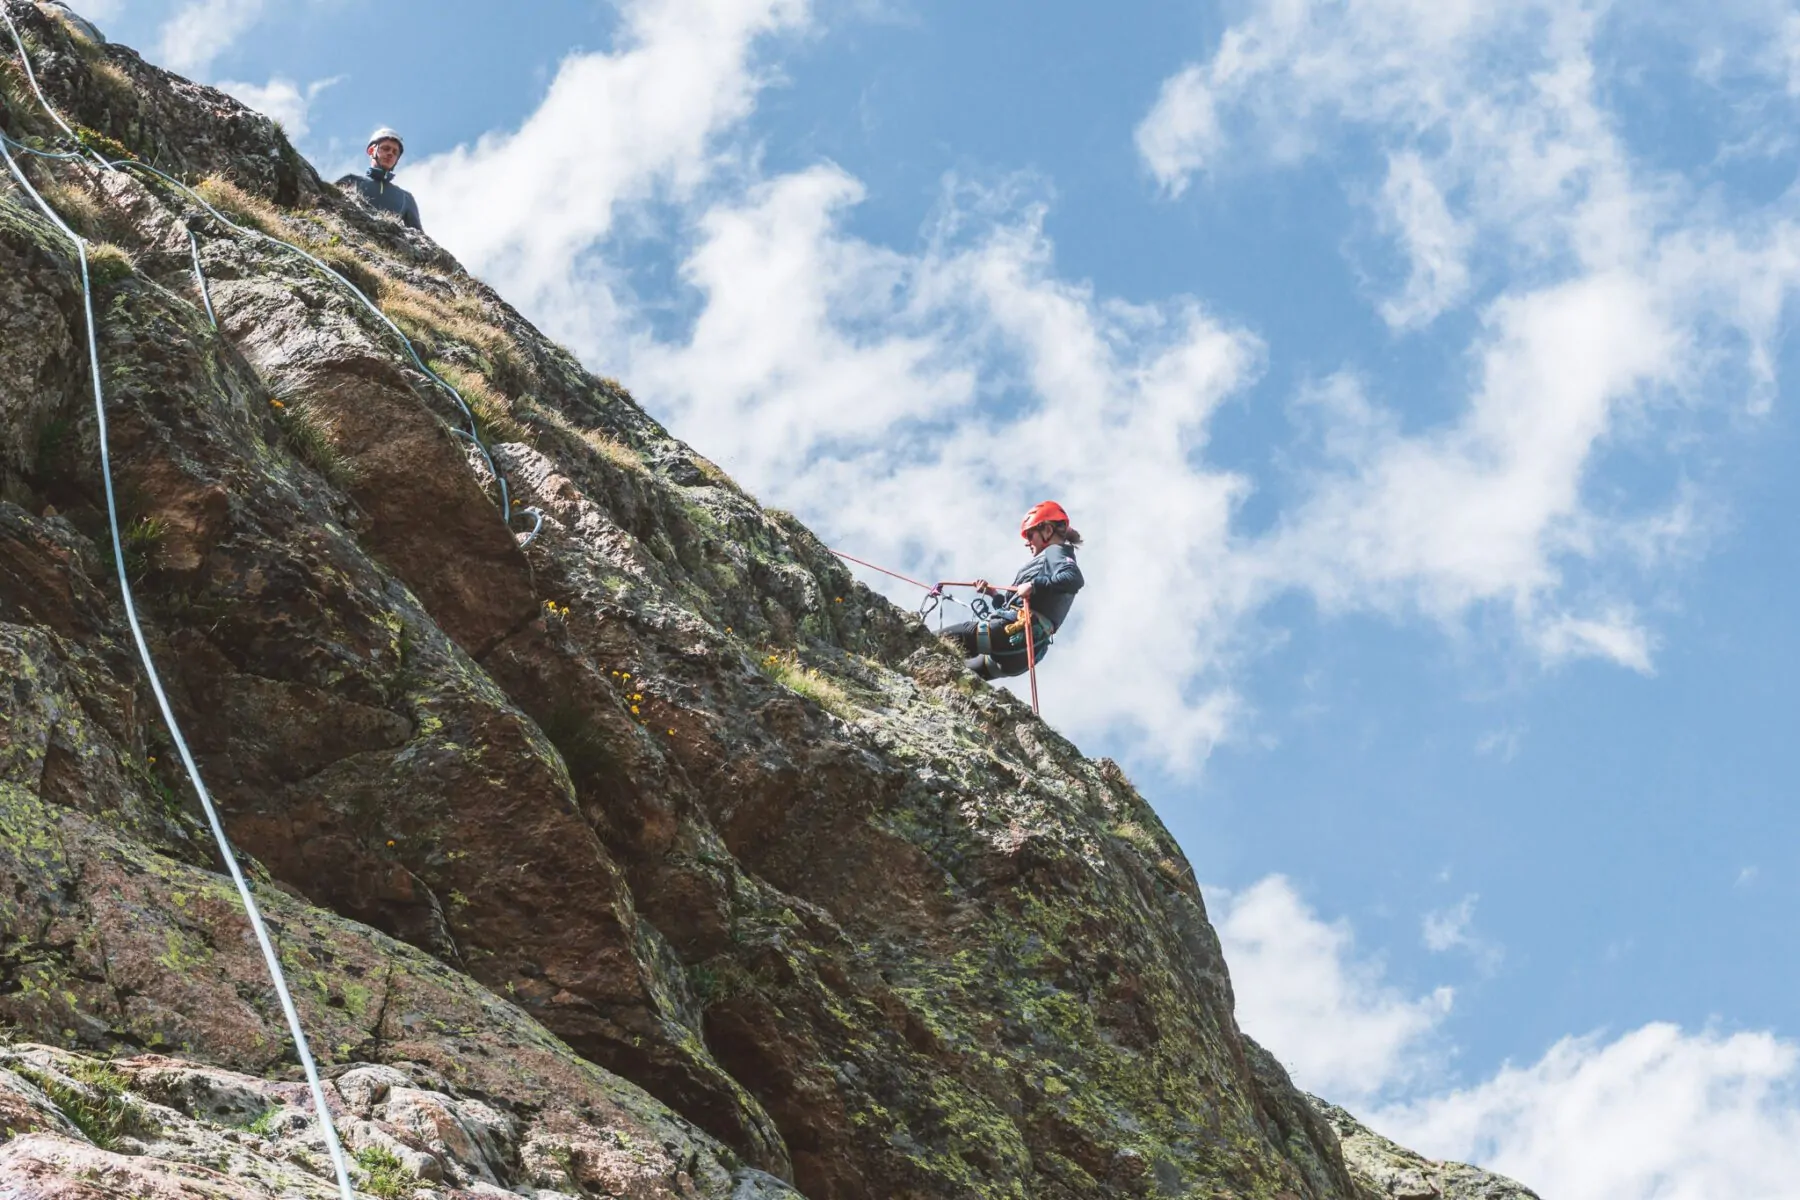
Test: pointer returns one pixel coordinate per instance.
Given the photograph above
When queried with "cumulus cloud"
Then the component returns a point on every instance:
(851, 383)
(1657, 1113)
(201, 30)
(963, 378)
(1330, 1016)
(282, 99)
(526, 207)
(1603, 288)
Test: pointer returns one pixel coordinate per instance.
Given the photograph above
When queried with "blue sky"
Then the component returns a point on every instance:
(1418, 373)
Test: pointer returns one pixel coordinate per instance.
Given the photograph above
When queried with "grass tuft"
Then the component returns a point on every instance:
(427, 318)
(384, 1175)
(615, 451)
(344, 261)
(108, 264)
(141, 540)
(96, 1104)
(78, 206)
(312, 436)
(243, 206)
(787, 670)
(494, 419)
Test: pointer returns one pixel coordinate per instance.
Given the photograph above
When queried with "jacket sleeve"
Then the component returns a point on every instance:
(411, 215)
(1057, 573)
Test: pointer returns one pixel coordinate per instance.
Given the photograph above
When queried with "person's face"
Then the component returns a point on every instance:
(386, 153)
(1037, 537)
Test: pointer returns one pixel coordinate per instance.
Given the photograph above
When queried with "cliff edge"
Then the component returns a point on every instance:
(655, 857)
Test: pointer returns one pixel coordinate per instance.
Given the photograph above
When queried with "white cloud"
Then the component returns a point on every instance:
(281, 99)
(1453, 928)
(201, 30)
(961, 380)
(1337, 1025)
(1603, 288)
(1448, 928)
(1181, 133)
(852, 383)
(525, 207)
(1656, 1114)
(1503, 743)
(1434, 240)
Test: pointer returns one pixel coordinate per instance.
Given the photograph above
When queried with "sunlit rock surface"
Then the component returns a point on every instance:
(656, 858)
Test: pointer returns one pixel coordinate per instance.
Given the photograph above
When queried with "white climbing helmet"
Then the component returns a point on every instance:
(383, 134)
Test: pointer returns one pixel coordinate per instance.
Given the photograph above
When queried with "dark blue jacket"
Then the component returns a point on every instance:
(377, 187)
(1054, 578)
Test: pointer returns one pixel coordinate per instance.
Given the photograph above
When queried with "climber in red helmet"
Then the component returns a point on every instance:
(1050, 580)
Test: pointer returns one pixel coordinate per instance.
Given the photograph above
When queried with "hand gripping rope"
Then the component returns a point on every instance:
(935, 592)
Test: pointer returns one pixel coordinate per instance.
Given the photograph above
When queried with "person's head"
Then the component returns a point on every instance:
(385, 148)
(1047, 525)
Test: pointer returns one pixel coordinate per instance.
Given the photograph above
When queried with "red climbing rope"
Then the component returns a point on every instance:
(892, 574)
(935, 588)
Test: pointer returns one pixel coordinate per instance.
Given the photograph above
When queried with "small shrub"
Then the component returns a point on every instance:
(787, 670)
(108, 264)
(264, 1123)
(98, 142)
(385, 1175)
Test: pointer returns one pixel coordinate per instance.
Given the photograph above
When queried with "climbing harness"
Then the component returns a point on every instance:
(985, 616)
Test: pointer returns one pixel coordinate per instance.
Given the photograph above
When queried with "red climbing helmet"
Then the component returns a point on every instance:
(1049, 510)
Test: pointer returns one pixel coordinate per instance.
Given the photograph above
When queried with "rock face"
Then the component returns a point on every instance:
(656, 858)
(1385, 1171)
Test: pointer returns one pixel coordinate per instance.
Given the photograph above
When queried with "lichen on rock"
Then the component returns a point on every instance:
(655, 858)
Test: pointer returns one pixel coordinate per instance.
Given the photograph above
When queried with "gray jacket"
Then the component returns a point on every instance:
(1054, 578)
(377, 187)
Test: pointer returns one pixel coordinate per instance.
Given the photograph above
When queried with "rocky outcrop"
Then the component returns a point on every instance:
(658, 833)
(1385, 1171)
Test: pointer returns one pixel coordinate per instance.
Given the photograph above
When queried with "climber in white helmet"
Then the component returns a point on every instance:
(377, 186)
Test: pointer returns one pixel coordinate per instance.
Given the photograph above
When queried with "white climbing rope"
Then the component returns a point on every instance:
(270, 957)
(472, 435)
